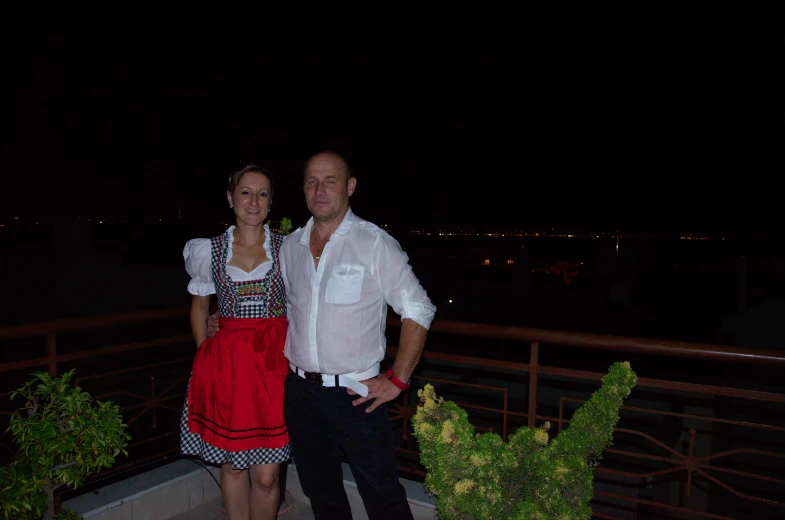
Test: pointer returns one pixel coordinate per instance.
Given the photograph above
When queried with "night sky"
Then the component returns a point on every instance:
(591, 115)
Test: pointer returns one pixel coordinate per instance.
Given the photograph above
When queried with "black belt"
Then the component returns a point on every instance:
(313, 377)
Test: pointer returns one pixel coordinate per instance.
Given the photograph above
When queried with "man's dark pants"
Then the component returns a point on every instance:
(322, 421)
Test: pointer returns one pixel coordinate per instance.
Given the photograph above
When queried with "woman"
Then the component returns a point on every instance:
(233, 414)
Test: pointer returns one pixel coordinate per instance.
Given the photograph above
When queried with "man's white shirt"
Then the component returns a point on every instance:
(338, 311)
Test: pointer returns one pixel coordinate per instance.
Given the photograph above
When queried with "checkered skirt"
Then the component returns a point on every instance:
(264, 298)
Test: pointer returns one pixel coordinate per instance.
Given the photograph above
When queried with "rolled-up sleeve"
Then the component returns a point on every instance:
(399, 286)
(197, 254)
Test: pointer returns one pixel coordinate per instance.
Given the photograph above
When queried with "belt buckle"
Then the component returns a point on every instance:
(314, 377)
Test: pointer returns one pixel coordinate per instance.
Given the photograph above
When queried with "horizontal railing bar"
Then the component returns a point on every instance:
(86, 354)
(43, 328)
(605, 342)
(133, 369)
(643, 382)
(686, 416)
(485, 330)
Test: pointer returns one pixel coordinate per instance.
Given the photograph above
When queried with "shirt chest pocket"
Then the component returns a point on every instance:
(345, 284)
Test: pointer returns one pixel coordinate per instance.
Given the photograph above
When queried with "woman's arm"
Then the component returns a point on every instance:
(200, 309)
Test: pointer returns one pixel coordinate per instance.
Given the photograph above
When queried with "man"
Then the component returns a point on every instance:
(341, 272)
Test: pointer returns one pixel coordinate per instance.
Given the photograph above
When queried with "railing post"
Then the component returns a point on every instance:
(51, 353)
(505, 417)
(534, 368)
(153, 403)
(690, 462)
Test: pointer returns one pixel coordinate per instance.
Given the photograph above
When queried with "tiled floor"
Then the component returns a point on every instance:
(208, 511)
(301, 510)
(212, 511)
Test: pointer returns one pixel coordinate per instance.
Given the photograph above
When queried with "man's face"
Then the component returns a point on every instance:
(327, 187)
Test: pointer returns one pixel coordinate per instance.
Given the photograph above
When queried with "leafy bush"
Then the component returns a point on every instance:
(62, 437)
(282, 227)
(479, 476)
(21, 497)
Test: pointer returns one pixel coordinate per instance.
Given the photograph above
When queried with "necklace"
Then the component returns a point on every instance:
(318, 251)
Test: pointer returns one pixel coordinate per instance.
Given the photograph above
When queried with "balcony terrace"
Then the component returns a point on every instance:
(701, 435)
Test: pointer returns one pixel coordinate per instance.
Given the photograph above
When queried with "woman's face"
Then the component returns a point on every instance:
(251, 199)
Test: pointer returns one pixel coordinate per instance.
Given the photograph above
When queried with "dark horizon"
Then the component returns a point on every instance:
(211, 220)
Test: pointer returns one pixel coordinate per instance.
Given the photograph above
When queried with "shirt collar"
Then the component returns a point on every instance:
(346, 223)
(231, 229)
(230, 250)
(343, 227)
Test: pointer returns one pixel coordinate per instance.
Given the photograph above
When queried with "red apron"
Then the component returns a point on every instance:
(235, 399)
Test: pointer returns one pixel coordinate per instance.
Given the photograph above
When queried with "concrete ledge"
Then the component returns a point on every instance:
(157, 494)
(180, 486)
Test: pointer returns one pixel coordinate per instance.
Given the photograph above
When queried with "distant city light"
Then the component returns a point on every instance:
(557, 234)
(616, 236)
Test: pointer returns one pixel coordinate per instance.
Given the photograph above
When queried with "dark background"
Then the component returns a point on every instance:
(639, 115)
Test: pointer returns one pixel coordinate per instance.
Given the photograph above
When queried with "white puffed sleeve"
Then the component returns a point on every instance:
(197, 263)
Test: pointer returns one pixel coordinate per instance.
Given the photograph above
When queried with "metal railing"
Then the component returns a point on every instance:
(136, 384)
(708, 438)
(692, 473)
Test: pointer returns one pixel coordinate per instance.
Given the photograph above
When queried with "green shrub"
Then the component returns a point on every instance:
(479, 476)
(62, 437)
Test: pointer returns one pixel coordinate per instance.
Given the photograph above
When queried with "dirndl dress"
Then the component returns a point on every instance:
(233, 412)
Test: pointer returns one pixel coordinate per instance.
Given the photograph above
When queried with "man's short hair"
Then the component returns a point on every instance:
(346, 167)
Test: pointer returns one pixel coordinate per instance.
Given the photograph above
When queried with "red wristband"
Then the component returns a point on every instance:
(397, 382)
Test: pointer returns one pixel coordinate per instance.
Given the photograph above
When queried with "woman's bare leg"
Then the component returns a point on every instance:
(235, 491)
(264, 491)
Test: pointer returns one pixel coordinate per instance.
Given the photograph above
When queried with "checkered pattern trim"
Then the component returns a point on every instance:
(192, 444)
(264, 298)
